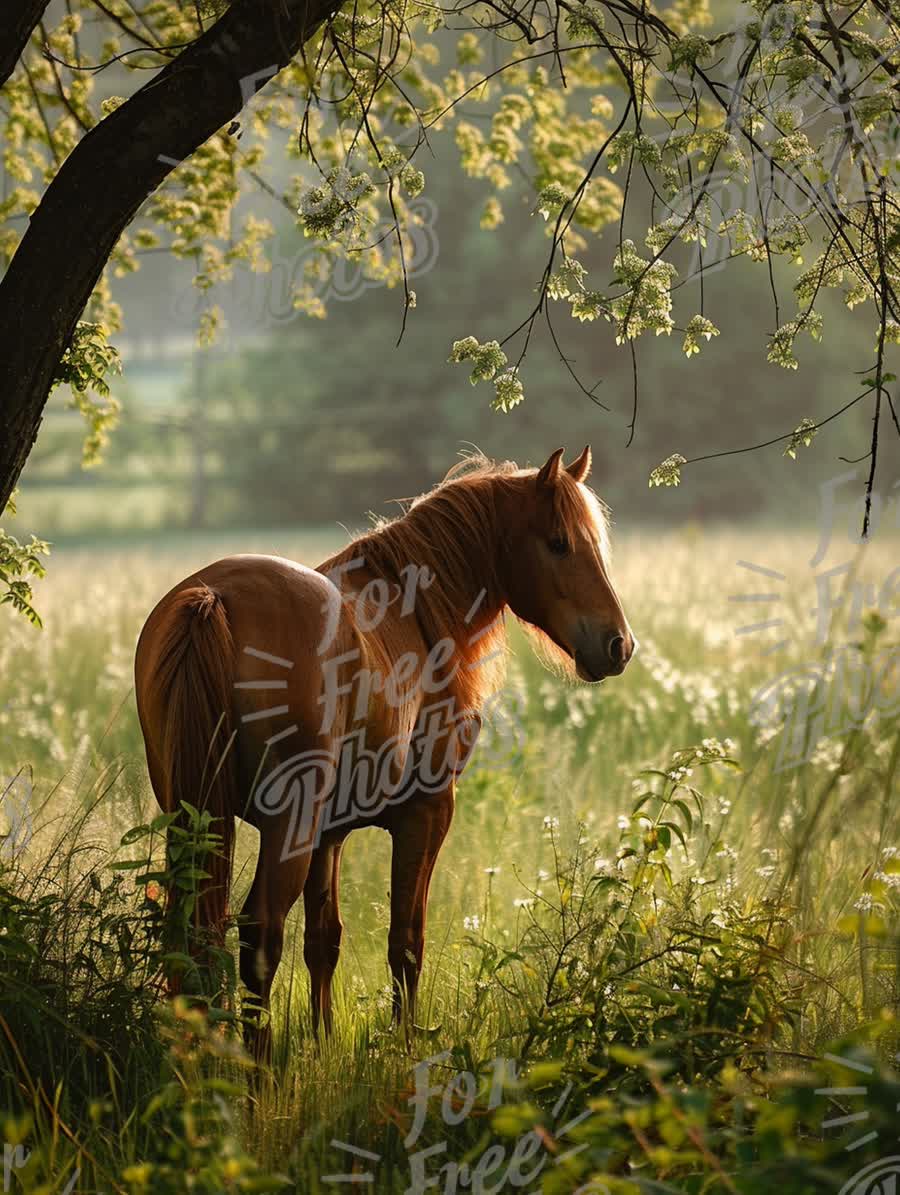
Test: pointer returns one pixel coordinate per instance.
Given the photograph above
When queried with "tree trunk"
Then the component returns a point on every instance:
(102, 184)
(18, 19)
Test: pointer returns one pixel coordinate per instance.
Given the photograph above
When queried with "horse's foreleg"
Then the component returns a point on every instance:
(322, 936)
(418, 835)
(276, 886)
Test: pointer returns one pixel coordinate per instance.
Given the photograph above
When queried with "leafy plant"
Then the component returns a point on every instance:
(196, 960)
(193, 1131)
(84, 368)
(18, 564)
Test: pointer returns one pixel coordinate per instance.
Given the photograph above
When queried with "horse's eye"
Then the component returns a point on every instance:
(558, 545)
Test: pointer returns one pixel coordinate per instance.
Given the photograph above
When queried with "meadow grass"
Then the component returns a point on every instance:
(556, 775)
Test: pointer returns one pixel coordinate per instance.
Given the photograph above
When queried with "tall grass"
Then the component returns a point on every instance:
(565, 922)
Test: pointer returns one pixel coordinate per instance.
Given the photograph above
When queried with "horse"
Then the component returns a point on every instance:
(313, 702)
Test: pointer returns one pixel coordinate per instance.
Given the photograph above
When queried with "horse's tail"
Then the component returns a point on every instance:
(194, 678)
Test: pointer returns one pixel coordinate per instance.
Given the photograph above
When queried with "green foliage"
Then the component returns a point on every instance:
(18, 563)
(669, 472)
(802, 437)
(332, 210)
(633, 954)
(668, 1009)
(699, 326)
(488, 364)
(191, 1122)
(646, 304)
(78, 982)
(781, 346)
(84, 368)
(82, 966)
(199, 962)
(486, 359)
(730, 1135)
(509, 392)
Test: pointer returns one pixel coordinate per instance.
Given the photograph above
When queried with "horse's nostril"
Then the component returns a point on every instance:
(616, 648)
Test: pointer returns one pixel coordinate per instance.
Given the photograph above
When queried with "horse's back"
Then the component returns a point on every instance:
(270, 602)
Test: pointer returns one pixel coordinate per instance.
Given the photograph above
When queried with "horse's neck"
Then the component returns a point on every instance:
(457, 628)
(423, 604)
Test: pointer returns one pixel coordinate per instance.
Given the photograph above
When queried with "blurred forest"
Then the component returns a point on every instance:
(300, 421)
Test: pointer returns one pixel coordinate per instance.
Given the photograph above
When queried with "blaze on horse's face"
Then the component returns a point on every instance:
(558, 578)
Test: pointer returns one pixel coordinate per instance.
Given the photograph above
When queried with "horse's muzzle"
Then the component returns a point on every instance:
(598, 656)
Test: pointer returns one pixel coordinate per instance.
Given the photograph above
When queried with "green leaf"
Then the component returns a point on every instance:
(669, 471)
(802, 436)
(135, 834)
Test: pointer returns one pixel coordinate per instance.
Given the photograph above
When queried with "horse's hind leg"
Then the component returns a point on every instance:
(276, 886)
(418, 834)
(322, 936)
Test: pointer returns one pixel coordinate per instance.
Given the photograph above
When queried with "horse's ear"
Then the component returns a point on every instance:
(549, 474)
(581, 468)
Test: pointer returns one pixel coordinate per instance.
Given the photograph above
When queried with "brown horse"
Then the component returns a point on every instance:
(311, 703)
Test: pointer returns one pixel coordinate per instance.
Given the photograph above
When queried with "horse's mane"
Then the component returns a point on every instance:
(453, 530)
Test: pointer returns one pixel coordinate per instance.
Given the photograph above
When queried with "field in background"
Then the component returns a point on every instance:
(557, 772)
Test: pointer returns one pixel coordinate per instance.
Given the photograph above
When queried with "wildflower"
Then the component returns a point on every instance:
(713, 747)
(472, 923)
(828, 754)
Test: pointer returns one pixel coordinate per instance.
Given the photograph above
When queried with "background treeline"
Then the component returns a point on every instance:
(294, 420)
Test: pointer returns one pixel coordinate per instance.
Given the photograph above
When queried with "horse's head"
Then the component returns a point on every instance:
(556, 568)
